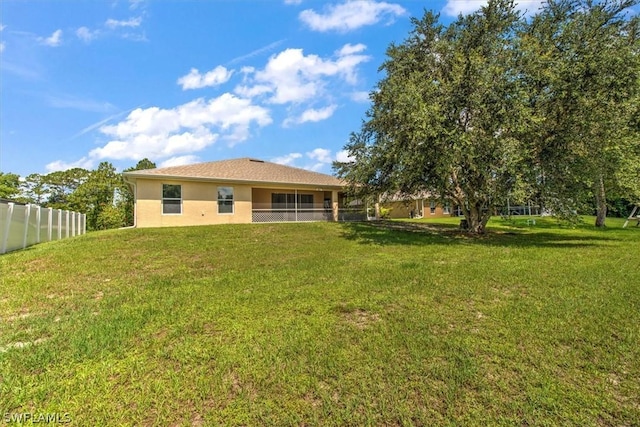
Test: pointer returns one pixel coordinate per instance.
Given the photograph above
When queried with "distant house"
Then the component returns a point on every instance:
(422, 205)
(236, 191)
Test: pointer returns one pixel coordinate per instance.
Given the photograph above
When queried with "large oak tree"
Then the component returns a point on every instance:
(445, 119)
(495, 105)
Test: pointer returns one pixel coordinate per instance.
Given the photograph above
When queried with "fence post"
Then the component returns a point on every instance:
(66, 226)
(38, 218)
(27, 214)
(7, 227)
(73, 224)
(49, 223)
(59, 224)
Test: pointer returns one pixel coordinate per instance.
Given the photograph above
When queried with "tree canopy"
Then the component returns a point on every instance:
(443, 119)
(9, 185)
(581, 65)
(101, 193)
(494, 105)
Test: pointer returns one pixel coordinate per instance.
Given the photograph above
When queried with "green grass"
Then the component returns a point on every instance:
(403, 323)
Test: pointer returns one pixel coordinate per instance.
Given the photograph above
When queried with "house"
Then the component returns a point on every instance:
(422, 205)
(236, 191)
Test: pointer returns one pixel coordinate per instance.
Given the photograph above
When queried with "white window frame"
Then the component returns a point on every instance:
(221, 200)
(171, 198)
(432, 207)
(446, 209)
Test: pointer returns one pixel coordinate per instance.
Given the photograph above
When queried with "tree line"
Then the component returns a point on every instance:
(499, 106)
(101, 193)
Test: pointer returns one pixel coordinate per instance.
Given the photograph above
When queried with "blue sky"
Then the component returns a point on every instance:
(187, 81)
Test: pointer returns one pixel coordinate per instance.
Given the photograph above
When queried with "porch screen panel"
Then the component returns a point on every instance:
(288, 201)
(278, 201)
(306, 201)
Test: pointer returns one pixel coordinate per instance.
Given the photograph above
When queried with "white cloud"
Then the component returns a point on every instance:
(293, 2)
(320, 154)
(156, 146)
(54, 40)
(2, 27)
(136, 37)
(59, 165)
(465, 7)
(350, 15)
(292, 77)
(314, 160)
(129, 23)
(121, 28)
(1, 47)
(360, 96)
(86, 35)
(350, 49)
(159, 133)
(179, 161)
(287, 159)
(313, 115)
(252, 91)
(133, 4)
(174, 134)
(343, 156)
(195, 80)
(100, 123)
(530, 6)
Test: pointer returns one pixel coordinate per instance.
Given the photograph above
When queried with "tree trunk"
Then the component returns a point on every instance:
(601, 203)
(475, 220)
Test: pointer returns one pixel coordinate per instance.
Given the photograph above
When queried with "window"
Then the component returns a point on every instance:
(432, 207)
(447, 208)
(225, 200)
(171, 199)
(288, 201)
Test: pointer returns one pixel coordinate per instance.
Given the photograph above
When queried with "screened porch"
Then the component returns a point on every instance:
(302, 205)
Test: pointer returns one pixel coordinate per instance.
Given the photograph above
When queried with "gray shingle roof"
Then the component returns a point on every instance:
(241, 170)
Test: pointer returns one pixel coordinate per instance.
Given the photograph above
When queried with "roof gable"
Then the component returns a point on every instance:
(241, 170)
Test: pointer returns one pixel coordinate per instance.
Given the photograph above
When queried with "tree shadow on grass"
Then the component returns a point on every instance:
(412, 233)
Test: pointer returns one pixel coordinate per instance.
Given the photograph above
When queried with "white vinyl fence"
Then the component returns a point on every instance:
(26, 225)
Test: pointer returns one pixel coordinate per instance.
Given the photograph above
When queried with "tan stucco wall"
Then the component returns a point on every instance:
(199, 204)
(403, 209)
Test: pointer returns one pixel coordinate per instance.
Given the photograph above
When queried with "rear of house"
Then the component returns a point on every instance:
(236, 191)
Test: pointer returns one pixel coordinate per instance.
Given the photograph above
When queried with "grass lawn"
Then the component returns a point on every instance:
(403, 323)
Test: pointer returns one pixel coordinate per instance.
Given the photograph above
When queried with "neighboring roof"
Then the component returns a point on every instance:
(400, 197)
(241, 170)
